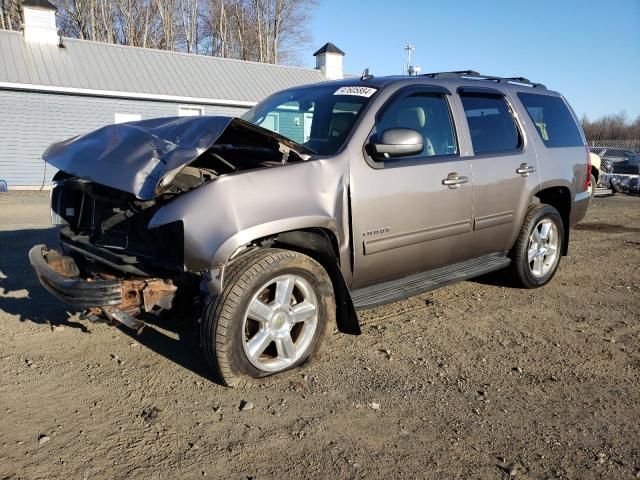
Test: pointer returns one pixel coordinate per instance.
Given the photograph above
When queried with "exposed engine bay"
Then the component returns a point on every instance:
(104, 215)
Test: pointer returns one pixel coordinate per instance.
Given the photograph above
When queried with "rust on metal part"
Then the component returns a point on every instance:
(147, 293)
(60, 263)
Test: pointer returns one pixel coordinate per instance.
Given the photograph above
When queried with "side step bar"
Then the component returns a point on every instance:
(394, 290)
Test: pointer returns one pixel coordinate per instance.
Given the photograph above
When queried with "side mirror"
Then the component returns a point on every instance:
(398, 142)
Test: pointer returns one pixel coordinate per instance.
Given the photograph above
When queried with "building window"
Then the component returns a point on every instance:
(126, 117)
(190, 111)
(271, 122)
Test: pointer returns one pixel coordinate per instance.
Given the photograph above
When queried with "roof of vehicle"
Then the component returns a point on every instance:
(449, 80)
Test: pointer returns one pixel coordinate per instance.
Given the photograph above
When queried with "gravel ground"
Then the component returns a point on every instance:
(477, 380)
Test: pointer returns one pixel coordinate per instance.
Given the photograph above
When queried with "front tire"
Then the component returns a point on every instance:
(536, 254)
(270, 318)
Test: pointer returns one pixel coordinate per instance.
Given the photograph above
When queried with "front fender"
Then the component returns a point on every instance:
(230, 212)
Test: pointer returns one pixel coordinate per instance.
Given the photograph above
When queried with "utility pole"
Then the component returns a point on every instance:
(409, 49)
(409, 69)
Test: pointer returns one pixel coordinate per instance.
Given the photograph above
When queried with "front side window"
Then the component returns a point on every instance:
(318, 117)
(553, 120)
(428, 114)
(491, 124)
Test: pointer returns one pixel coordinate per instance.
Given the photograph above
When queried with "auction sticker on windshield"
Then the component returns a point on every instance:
(357, 91)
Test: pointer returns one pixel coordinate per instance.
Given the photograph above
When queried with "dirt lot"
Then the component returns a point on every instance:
(476, 380)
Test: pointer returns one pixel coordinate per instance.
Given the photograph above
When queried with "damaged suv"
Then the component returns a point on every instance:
(321, 200)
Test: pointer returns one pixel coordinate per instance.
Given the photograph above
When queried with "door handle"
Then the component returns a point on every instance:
(525, 169)
(454, 180)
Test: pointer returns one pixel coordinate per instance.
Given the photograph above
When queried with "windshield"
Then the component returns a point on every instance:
(319, 117)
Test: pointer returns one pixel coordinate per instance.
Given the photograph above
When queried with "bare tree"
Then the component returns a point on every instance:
(271, 31)
(167, 10)
(189, 16)
(10, 14)
(612, 127)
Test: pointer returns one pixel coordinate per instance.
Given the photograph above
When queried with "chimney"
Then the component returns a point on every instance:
(39, 21)
(329, 61)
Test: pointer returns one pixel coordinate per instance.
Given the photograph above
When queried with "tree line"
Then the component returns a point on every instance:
(270, 31)
(612, 127)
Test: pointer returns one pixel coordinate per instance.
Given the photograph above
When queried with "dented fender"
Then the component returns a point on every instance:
(224, 215)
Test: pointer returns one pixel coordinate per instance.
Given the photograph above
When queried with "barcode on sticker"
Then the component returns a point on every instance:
(357, 91)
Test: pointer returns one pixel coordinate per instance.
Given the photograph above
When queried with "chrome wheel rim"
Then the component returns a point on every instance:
(280, 323)
(543, 248)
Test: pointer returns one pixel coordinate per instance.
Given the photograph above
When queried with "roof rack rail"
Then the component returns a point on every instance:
(472, 74)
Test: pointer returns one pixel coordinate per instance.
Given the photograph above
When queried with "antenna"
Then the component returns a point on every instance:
(366, 75)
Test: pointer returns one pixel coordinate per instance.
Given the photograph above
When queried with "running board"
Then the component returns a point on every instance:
(394, 290)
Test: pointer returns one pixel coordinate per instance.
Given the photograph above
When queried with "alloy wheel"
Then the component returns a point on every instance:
(280, 323)
(543, 248)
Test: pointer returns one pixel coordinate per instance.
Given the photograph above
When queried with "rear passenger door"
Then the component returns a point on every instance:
(504, 169)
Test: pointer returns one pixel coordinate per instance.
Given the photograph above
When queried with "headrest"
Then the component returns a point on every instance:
(412, 117)
(341, 123)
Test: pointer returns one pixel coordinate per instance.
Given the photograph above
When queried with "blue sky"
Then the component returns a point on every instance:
(589, 50)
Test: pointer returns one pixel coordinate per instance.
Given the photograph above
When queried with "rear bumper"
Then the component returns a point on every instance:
(58, 279)
(579, 208)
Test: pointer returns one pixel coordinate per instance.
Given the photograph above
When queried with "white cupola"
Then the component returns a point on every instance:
(39, 21)
(329, 61)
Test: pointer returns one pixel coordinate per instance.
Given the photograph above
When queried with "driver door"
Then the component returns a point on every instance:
(411, 214)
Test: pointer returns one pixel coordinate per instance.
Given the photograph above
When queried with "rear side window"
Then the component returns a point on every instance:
(491, 123)
(553, 120)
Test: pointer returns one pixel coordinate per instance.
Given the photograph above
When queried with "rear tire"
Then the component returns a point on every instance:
(271, 316)
(536, 254)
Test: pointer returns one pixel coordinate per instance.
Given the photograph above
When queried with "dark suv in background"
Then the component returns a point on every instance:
(371, 190)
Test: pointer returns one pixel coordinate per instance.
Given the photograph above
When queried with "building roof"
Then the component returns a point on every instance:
(103, 69)
(39, 4)
(329, 48)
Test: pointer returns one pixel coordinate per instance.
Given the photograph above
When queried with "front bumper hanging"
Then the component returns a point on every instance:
(116, 299)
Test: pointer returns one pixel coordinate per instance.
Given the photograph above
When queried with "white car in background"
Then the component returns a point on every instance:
(596, 162)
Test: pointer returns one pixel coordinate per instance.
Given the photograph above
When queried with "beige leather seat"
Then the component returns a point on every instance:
(415, 118)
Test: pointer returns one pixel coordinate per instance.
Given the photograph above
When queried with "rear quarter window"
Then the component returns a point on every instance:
(553, 120)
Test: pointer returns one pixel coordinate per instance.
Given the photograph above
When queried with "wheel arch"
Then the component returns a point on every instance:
(321, 244)
(558, 197)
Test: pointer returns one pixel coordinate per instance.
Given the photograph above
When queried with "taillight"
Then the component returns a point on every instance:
(587, 182)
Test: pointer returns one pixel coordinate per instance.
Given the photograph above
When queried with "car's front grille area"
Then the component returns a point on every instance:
(119, 226)
(114, 229)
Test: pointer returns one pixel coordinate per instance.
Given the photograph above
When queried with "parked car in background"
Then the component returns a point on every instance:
(622, 176)
(596, 163)
(399, 186)
(613, 154)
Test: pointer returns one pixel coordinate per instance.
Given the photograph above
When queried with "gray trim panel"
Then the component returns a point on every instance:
(411, 238)
(494, 220)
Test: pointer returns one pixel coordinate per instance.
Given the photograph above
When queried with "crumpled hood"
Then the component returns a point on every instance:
(134, 157)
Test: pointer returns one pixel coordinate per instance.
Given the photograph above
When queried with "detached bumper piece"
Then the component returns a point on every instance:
(114, 299)
(59, 275)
